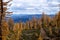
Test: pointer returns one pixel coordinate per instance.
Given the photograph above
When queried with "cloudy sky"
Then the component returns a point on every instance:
(34, 6)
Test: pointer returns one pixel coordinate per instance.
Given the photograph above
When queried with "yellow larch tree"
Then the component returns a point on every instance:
(3, 9)
(5, 30)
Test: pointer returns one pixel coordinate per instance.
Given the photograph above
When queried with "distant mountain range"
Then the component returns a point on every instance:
(24, 18)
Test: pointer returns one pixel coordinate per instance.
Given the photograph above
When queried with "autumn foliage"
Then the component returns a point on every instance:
(45, 28)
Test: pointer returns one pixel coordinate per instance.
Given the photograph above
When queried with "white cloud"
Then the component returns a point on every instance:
(5, 0)
(34, 6)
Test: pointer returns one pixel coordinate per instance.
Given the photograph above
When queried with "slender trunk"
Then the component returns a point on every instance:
(1, 19)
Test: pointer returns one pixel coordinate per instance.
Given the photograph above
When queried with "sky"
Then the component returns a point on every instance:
(34, 6)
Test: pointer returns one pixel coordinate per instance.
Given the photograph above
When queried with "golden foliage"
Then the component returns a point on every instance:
(49, 25)
(5, 28)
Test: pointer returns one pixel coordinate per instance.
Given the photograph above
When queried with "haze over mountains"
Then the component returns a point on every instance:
(25, 17)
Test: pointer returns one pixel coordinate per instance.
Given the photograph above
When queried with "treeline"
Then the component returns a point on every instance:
(44, 28)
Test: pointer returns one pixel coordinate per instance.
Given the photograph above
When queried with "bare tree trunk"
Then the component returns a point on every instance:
(1, 16)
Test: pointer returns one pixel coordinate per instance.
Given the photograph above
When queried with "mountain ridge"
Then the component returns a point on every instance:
(24, 18)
